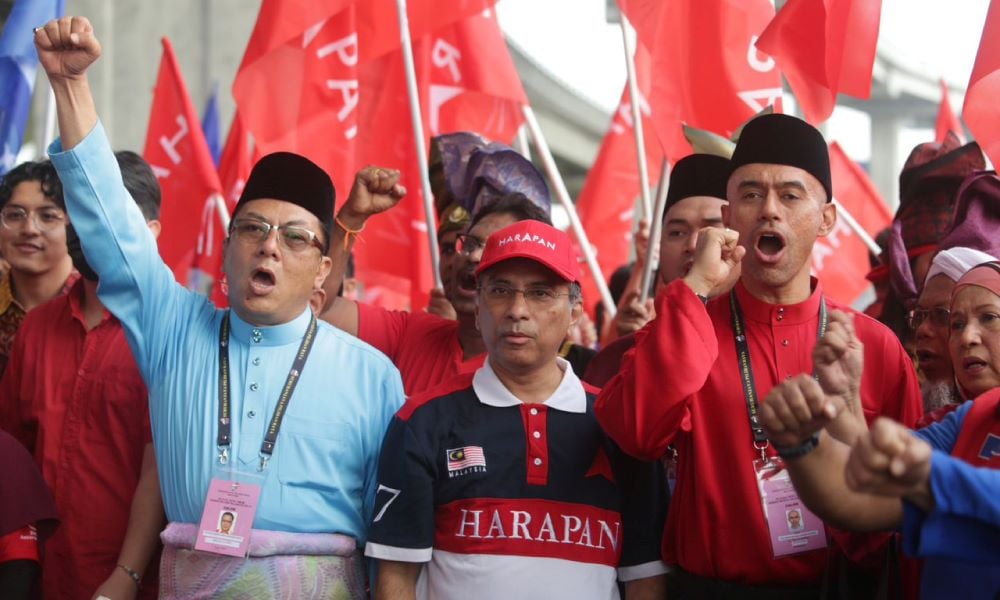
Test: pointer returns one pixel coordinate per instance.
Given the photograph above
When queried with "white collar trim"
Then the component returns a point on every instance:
(568, 397)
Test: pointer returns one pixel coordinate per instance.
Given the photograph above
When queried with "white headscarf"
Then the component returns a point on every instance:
(954, 262)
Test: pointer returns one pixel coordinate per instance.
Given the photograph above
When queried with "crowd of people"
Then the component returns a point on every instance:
(740, 435)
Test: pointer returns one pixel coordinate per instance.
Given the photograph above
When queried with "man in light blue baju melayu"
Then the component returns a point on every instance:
(314, 453)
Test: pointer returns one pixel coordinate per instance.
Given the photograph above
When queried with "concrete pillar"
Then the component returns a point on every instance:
(885, 161)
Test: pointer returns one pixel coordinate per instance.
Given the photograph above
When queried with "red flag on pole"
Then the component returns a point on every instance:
(824, 47)
(708, 73)
(981, 111)
(467, 81)
(840, 260)
(313, 111)
(946, 119)
(177, 151)
(606, 204)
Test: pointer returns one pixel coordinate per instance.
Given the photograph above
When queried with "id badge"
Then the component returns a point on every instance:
(793, 528)
(227, 518)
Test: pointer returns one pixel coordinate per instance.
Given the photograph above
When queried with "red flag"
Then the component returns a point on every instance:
(313, 110)
(824, 47)
(606, 204)
(840, 260)
(466, 81)
(177, 151)
(708, 73)
(946, 119)
(235, 161)
(981, 111)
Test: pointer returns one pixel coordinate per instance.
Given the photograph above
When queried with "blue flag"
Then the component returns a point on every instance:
(18, 65)
(210, 125)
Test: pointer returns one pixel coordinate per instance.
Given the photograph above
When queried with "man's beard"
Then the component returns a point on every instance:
(938, 394)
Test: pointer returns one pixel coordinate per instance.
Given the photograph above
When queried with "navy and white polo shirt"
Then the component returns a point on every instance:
(504, 499)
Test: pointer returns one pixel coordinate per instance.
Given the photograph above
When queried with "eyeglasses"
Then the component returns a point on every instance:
(536, 297)
(45, 219)
(938, 316)
(255, 231)
(467, 244)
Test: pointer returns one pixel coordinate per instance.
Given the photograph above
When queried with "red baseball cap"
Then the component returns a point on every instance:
(535, 241)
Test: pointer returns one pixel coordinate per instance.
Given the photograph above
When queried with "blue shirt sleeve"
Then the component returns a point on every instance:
(965, 521)
(135, 284)
(943, 434)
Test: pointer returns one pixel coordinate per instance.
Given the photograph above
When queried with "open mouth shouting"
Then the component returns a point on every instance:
(769, 247)
(466, 284)
(262, 281)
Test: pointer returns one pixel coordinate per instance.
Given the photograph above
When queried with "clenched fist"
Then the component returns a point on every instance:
(375, 190)
(715, 258)
(890, 461)
(796, 409)
(67, 47)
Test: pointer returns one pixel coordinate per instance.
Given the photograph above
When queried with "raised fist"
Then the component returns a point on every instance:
(838, 359)
(67, 47)
(716, 257)
(375, 190)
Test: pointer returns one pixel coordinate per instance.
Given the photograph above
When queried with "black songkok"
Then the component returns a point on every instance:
(292, 178)
(783, 140)
(698, 175)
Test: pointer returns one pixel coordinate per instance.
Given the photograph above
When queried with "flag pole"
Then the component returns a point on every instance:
(562, 194)
(635, 100)
(655, 232)
(857, 228)
(418, 135)
(521, 143)
(49, 133)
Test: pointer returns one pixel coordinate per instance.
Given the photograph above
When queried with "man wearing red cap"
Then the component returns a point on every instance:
(699, 370)
(502, 483)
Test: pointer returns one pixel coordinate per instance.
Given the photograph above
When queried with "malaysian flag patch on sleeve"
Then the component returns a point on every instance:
(467, 459)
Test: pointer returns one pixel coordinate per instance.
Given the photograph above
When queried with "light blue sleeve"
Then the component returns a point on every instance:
(135, 284)
(965, 522)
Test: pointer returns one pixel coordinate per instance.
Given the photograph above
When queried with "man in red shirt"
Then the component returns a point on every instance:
(428, 349)
(694, 382)
(694, 201)
(74, 396)
(33, 242)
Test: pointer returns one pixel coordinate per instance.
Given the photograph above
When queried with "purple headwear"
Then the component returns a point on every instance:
(927, 186)
(453, 150)
(497, 170)
(976, 222)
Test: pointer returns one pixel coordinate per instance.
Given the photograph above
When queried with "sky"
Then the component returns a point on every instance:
(572, 39)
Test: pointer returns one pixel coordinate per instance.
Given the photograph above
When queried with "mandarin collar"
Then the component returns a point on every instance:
(568, 397)
(274, 335)
(780, 314)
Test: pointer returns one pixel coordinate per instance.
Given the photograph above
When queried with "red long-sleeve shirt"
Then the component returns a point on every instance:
(681, 385)
(76, 400)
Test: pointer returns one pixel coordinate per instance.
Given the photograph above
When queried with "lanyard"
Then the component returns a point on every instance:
(271, 435)
(746, 369)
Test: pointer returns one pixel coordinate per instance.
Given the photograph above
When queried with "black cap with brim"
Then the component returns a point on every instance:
(698, 175)
(292, 178)
(784, 140)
